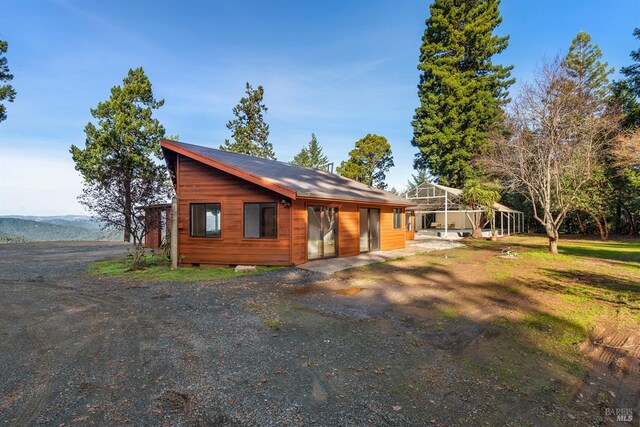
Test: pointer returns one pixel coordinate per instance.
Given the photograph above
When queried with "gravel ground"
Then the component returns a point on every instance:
(289, 347)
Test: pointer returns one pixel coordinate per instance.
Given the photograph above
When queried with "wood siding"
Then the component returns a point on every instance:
(348, 228)
(199, 183)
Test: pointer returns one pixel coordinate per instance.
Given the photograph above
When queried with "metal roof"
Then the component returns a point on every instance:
(305, 182)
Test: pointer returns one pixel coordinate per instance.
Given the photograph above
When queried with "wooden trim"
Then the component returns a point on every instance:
(338, 201)
(228, 169)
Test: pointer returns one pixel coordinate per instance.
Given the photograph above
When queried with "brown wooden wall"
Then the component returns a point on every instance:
(390, 238)
(199, 183)
(348, 228)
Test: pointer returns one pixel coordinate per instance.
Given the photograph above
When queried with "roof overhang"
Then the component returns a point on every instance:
(262, 182)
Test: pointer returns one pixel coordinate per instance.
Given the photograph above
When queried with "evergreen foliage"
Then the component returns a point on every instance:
(249, 130)
(632, 72)
(311, 156)
(461, 90)
(369, 161)
(7, 93)
(589, 75)
(418, 179)
(119, 163)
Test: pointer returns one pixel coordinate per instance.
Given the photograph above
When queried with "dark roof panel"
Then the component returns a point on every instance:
(306, 182)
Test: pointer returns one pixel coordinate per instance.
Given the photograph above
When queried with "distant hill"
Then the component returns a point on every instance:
(70, 227)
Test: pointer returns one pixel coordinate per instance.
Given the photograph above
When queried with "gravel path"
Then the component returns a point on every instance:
(289, 347)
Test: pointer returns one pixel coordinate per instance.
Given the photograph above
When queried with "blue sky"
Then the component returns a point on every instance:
(340, 69)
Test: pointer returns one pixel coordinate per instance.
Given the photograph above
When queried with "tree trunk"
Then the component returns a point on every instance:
(631, 222)
(138, 252)
(583, 230)
(127, 212)
(476, 233)
(606, 226)
(601, 229)
(552, 234)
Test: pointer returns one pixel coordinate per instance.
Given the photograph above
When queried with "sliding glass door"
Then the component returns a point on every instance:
(322, 232)
(369, 229)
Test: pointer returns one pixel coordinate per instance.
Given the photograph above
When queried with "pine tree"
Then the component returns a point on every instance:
(416, 180)
(586, 70)
(632, 72)
(249, 130)
(118, 163)
(7, 93)
(311, 156)
(369, 161)
(461, 90)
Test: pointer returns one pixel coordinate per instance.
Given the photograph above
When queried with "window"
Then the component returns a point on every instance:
(397, 218)
(205, 220)
(260, 220)
(409, 221)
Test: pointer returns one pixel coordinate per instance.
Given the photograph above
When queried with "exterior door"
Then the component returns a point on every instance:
(322, 232)
(369, 229)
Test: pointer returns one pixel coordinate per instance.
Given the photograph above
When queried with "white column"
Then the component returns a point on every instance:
(446, 215)
(502, 223)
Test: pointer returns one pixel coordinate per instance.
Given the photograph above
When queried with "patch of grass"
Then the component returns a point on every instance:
(156, 269)
(274, 324)
(451, 313)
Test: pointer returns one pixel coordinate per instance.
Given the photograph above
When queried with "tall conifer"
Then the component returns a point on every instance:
(461, 90)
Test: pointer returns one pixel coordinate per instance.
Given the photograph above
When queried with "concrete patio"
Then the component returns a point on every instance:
(332, 265)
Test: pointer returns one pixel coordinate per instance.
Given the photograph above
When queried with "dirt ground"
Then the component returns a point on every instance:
(419, 341)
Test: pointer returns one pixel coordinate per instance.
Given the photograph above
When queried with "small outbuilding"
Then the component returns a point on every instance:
(238, 209)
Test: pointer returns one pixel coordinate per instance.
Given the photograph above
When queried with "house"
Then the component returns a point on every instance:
(439, 211)
(238, 209)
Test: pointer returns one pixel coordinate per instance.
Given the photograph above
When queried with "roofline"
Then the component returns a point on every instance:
(263, 182)
(356, 201)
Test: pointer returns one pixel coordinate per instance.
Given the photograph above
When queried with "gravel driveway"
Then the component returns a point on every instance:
(283, 348)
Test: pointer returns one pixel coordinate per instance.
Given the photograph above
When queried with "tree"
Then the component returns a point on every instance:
(7, 93)
(626, 182)
(119, 162)
(311, 156)
(418, 179)
(553, 147)
(461, 90)
(480, 196)
(632, 72)
(249, 130)
(584, 67)
(590, 77)
(368, 162)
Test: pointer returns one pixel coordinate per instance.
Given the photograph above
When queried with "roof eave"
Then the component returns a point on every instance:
(353, 200)
(263, 182)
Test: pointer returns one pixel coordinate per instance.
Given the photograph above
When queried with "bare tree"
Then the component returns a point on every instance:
(553, 145)
(626, 151)
(107, 205)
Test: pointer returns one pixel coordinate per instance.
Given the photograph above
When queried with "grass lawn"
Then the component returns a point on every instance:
(156, 269)
(563, 329)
